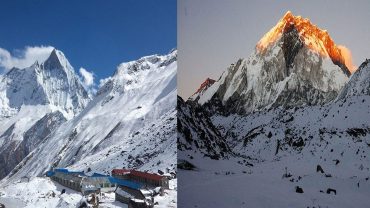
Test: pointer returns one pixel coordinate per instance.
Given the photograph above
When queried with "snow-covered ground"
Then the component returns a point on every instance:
(169, 200)
(38, 192)
(229, 184)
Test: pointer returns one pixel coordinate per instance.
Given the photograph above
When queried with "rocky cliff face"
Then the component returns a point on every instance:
(197, 134)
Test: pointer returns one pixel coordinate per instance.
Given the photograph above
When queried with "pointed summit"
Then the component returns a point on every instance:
(288, 15)
(36, 64)
(202, 88)
(205, 85)
(53, 62)
(57, 60)
(53, 54)
(311, 36)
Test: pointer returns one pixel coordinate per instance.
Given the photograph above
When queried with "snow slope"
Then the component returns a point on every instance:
(39, 192)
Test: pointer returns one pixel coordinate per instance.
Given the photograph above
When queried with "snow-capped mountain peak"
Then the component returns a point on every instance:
(52, 83)
(61, 84)
(312, 36)
(294, 64)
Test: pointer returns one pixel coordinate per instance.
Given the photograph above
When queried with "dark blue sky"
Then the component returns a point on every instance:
(96, 35)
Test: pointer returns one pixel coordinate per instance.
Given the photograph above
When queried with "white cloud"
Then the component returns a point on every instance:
(87, 77)
(24, 57)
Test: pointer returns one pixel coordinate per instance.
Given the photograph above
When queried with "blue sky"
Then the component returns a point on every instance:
(96, 35)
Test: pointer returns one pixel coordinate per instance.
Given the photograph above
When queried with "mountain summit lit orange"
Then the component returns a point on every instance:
(311, 35)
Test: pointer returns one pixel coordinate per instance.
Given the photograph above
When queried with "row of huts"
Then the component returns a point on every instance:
(148, 179)
(132, 187)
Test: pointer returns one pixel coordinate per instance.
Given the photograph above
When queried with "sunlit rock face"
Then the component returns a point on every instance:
(203, 87)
